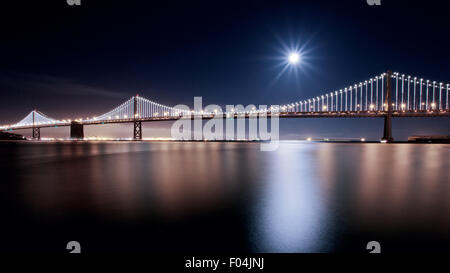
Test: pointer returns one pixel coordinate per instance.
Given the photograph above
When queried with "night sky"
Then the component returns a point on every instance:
(80, 61)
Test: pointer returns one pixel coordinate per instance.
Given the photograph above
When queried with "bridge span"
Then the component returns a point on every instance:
(388, 95)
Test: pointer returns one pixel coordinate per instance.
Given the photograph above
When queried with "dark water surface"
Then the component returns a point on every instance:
(224, 197)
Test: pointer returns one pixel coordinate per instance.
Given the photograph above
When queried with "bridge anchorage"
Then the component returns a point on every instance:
(76, 130)
(388, 95)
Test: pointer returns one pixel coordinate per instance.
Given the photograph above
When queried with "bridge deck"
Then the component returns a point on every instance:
(343, 114)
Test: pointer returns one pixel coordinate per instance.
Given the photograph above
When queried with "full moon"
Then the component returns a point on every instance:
(294, 58)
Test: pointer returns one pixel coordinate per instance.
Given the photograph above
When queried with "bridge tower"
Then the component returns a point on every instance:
(36, 130)
(387, 132)
(137, 132)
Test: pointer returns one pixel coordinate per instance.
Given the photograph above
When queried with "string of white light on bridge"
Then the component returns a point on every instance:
(35, 117)
(408, 94)
(144, 109)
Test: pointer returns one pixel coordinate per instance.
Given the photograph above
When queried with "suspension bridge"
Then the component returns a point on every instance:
(387, 95)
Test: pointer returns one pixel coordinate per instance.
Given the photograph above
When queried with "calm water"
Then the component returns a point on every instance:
(224, 197)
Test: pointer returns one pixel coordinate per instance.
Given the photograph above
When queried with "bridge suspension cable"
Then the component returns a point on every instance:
(409, 94)
(34, 118)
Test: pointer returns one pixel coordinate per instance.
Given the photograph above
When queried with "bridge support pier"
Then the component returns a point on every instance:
(36, 133)
(76, 130)
(387, 132)
(137, 134)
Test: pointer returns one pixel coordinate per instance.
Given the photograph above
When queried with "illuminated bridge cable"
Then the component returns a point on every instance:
(371, 92)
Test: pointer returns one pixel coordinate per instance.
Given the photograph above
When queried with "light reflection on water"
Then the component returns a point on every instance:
(304, 197)
(290, 208)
